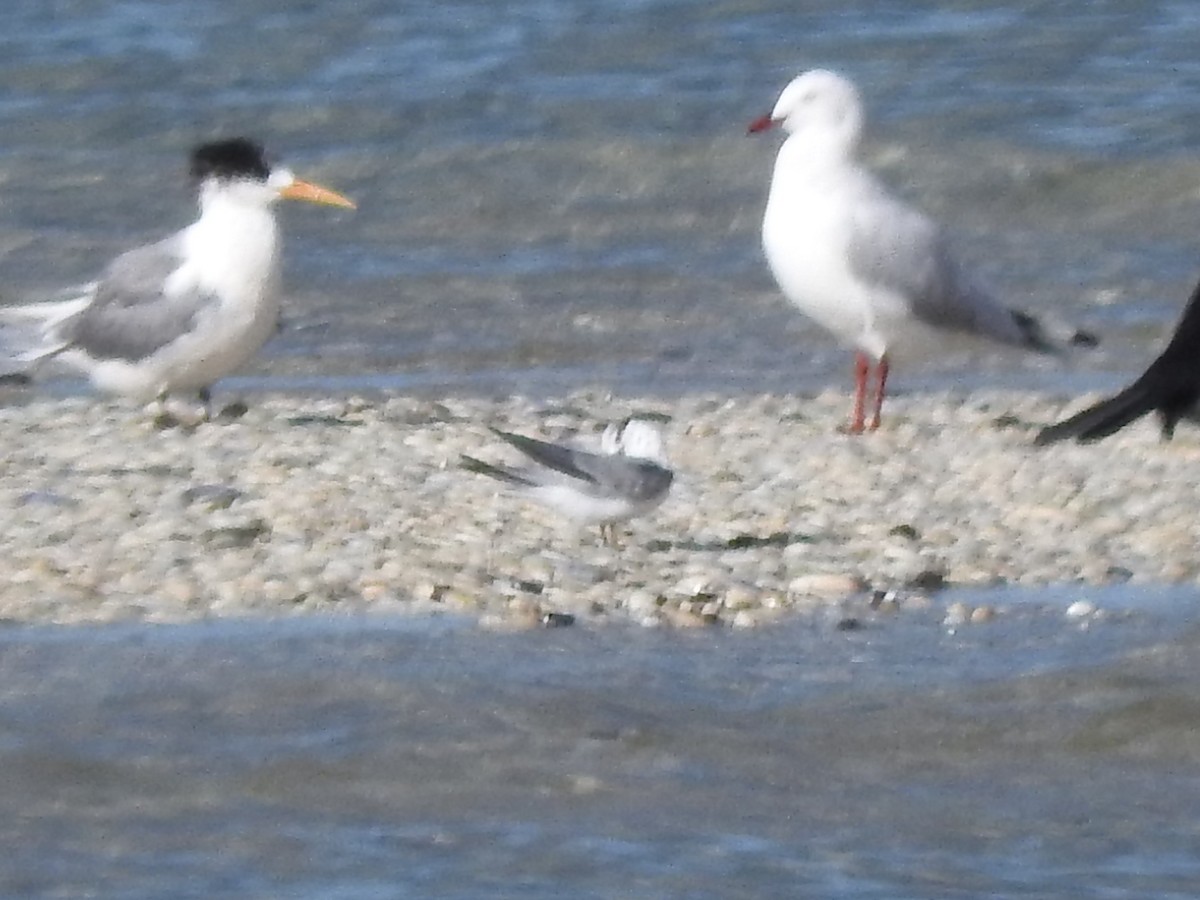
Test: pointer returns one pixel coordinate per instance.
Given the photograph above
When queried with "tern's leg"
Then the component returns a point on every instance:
(862, 368)
(162, 415)
(881, 375)
(205, 396)
(608, 534)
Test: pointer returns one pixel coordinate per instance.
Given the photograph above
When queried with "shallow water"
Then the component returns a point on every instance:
(556, 194)
(1032, 757)
(563, 192)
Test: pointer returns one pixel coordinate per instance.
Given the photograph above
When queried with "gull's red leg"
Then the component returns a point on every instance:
(862, 369)
(881, 374)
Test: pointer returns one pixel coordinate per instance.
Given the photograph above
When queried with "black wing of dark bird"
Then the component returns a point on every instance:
(1171, 385)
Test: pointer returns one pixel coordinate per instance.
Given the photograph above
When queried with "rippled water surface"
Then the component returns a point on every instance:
(559, 193)
(555, 194)
(359, 759)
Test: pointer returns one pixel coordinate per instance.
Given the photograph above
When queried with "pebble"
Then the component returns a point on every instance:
(306, 505)
(1081, 609)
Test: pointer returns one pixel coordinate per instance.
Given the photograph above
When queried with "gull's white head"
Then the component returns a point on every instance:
(237, 169)
(820, 107)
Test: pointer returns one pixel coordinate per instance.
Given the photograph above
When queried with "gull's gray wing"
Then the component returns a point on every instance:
(600, 474)
(901, 250)
(130, 317)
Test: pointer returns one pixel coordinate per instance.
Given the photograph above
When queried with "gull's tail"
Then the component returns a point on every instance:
(1047, 339)
(1105, 418)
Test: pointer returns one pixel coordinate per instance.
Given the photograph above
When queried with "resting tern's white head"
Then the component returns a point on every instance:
(634, 438)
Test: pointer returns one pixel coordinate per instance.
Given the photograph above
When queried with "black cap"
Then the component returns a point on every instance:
(230, 159)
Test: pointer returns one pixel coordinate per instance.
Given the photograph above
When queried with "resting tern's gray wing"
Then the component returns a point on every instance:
(131, 316)
(500, 473)
(901, 250)
(553, 456)
(634, 479)
(599, 474)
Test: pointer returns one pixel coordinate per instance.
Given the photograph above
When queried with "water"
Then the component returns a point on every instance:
(560, 194)
(362, 759)
(556, 194)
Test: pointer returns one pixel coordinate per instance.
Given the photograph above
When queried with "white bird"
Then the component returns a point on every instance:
(628, 477)
(176, 315)
(869, 268)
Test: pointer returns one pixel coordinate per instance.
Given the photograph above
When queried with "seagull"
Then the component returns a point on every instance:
(872, 270)
(1170, 386)
(628, 477)
(176, 315)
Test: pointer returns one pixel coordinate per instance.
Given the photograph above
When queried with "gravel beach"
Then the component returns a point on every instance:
(359, 505)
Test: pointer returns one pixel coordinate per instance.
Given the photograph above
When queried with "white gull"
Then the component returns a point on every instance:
(872, 270)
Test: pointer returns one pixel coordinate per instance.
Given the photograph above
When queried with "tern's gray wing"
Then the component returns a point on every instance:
(600, 474)
(898, 248)
(500, 473)
(553, 456)
(130, 316)
(634, 479)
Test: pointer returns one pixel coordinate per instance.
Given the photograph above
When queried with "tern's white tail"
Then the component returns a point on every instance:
(31, 333)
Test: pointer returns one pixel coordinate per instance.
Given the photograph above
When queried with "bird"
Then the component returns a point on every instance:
(866, 266)
(176, 315)
(1170, 386)
(628, 477)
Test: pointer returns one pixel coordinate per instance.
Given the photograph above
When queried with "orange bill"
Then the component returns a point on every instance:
(314, 193)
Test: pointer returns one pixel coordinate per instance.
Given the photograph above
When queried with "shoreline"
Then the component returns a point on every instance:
(354, 505)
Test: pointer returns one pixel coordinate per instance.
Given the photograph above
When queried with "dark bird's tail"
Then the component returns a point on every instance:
(1105, 418)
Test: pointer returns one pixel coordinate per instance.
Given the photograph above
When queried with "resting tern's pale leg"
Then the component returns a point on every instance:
(881, 375)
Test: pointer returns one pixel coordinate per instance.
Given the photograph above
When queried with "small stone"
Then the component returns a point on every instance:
(699, 586)
(743, 618)
(680, 618)
(829, 586)
(558, 620)
(210, 496)
(642, 603)
(739, 596)
(1081, 609)
(232, 411)
(957, 613)
(928, 580)
(236, 536)
(981, 614)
